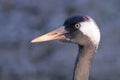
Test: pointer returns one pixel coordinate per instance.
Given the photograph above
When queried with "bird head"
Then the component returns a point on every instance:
(77, 29)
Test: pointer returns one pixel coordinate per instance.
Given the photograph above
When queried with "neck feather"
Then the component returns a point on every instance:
(83, 62)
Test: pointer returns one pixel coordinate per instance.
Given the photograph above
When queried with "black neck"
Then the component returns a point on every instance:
(83, 62)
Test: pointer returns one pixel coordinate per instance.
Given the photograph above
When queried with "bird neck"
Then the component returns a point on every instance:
(83, 62)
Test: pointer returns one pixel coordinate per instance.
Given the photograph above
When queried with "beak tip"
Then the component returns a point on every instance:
(33, 41)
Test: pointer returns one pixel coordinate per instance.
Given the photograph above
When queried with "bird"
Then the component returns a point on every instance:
(80, 30)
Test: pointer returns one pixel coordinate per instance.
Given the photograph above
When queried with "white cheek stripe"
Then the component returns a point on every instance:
(90, 29)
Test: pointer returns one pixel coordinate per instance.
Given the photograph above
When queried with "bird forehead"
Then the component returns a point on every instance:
(70, 22)
(73, 20)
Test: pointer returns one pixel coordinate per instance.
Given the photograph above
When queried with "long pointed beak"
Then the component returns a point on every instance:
(58, 34)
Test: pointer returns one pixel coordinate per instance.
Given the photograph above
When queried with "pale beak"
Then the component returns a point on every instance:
(58, 34)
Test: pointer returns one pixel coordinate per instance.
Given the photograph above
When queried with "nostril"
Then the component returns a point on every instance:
(54, 33)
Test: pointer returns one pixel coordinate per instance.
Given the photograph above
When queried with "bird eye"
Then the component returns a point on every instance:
(77, 26)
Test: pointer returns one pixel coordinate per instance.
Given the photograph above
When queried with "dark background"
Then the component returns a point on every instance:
(23, 20)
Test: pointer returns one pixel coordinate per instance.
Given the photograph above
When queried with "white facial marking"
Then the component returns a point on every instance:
(90, 29)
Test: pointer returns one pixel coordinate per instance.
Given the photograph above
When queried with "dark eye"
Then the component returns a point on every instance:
(77, 26)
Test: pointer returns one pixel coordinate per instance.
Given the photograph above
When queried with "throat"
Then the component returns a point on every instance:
(83, 62)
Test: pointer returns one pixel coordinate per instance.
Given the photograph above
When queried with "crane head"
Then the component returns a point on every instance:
(77, 29)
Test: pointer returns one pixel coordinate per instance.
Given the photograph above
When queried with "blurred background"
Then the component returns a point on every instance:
(23, 20)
